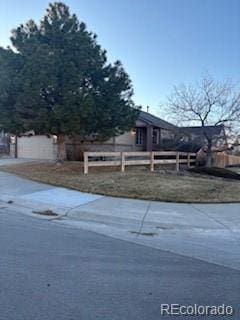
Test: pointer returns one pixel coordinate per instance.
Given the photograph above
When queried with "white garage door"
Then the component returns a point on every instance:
(36, 147)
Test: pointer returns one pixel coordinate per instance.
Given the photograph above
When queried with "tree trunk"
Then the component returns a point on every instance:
(16, 147)
(209, 155)
(209, 160)
(61, 144)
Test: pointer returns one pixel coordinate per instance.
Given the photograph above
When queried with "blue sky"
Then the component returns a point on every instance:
(160, 42)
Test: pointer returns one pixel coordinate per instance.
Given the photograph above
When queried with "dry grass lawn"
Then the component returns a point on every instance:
(136, 182)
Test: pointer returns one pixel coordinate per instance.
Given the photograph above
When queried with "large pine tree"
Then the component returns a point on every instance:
(57, 80)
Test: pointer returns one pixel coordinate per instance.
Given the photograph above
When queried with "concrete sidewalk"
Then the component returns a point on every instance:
(12, 161)
(209, 232)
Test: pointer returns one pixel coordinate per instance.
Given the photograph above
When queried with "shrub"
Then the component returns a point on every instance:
(216, 172)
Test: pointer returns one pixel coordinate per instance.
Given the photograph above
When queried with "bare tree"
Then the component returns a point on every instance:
(208, 103)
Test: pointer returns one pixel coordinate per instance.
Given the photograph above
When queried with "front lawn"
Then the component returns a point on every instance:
(136, 182)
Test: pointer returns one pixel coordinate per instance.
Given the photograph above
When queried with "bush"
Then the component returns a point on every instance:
(216, 172)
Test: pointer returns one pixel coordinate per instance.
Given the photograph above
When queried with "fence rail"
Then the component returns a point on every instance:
(123, 159)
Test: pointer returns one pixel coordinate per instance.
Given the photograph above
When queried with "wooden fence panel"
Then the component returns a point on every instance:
(167, 153)
(104, 154)
(137, 154)
(222, 160)
(136, 162)
(167, 161)
(123, 159)
(104, 163)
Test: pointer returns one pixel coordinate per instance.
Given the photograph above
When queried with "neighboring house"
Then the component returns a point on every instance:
(196, 137)
(235, 147)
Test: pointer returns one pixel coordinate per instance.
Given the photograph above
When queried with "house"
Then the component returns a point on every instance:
(153, 134)
(234, 147)
(150, 133)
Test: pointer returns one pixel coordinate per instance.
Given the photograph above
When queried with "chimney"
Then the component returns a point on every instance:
(148, 109)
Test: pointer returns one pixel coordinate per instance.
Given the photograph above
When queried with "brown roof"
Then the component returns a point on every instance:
(210, 131)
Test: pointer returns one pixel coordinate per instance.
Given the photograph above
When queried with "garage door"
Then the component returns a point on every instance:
(36, 147)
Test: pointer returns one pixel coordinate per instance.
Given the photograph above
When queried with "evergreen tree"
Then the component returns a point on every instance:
(59, 82)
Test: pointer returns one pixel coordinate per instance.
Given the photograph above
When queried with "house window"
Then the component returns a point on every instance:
(139, 136)
(156, 136)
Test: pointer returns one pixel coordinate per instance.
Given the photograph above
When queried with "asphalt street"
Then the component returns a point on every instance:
(208, 232)
(51, 271)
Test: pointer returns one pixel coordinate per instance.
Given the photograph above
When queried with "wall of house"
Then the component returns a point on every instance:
(128, 138)
(125, 142)
(36, 147)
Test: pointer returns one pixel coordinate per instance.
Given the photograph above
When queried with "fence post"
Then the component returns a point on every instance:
(189, 160)
(122, 162)
(85, 156)
(152, 161)
(177, 161)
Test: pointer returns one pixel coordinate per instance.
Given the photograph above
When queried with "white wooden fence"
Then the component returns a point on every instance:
(123, 159)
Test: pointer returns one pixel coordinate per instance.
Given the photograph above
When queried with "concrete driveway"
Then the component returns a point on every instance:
(209, 232)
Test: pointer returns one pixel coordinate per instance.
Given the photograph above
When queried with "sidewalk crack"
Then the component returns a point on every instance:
(78, 206)
(235, 235)
(143, 219)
